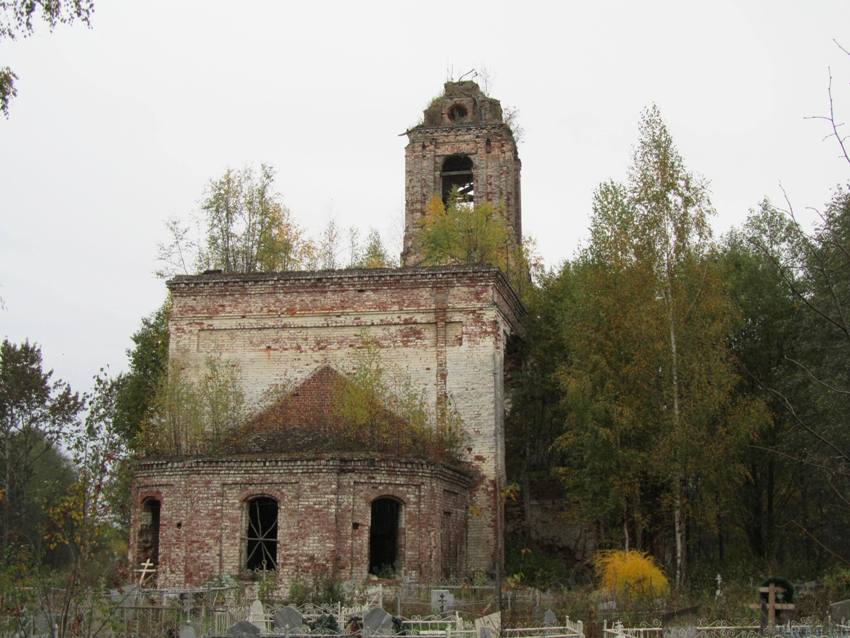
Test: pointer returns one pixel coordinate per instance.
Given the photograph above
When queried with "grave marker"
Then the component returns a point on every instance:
(442, 600)
(550, 619)
(377, 622)
(288, 620)
(257, 615)
(188, 631)
(772, 601)
(840, 610)
(243, 629)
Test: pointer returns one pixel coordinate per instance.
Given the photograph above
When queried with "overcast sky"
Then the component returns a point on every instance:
(119, 127)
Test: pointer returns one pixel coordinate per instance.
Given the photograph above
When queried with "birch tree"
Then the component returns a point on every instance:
(243, 227)
(649, 384)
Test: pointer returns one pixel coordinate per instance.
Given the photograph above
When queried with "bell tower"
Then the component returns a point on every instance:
(463, 142)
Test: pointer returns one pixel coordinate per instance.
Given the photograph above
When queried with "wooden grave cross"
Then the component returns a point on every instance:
(772, 606)
(146, 570)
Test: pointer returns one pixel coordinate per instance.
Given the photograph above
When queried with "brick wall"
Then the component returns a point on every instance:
(443, 328)
(324, 509)
(482, 136)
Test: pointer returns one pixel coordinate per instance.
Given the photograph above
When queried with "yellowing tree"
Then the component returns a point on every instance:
(244, 227)
(459, 233)
(649, 384)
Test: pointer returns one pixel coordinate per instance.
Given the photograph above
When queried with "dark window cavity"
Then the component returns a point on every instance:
(261, 537)
(457, 112)
(456, 176)
(384, 536)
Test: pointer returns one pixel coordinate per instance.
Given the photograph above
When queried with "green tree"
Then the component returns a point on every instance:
(244, 227)
(372, 254)
(536, 416)
(810, 395)
(763, 343)
(83, 522)
(35, 413)
(192, 414)
(458, 233)
(17, 19)
(650, 379)
(148, 361)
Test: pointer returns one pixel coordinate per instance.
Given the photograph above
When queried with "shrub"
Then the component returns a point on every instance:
(630, 574)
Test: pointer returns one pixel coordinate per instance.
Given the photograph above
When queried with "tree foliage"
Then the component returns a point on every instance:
(148, 362)
(192, 412)
(36, 412)
(385, 411)
(244, 227)
(630, 575)
(18, 19)
(372, 253)
(457, 233)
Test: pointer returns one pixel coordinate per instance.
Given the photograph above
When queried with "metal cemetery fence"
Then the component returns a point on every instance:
(724, 629)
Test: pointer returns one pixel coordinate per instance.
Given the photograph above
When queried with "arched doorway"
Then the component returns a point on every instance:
(149, 532)
(384, 536)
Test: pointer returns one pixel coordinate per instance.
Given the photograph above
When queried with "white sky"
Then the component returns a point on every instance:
(118, 128)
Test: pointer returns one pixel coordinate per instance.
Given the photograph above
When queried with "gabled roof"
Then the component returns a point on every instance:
(309, 418)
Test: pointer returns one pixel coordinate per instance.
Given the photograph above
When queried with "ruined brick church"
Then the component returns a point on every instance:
(351, 514)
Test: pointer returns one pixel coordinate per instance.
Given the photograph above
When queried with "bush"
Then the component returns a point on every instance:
(631, 574)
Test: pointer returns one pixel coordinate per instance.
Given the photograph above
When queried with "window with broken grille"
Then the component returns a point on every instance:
(260, 540)
(457, 180)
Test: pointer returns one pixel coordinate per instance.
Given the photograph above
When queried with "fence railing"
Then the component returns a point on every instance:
(617, 630)
(724, 629)
(566, 631)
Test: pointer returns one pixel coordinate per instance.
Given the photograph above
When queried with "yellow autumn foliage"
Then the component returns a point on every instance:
(630, 574)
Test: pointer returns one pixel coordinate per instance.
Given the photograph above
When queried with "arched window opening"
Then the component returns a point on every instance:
(261, 537)
(457, 112)
(149, 532)
(384, 536)
(456, 176)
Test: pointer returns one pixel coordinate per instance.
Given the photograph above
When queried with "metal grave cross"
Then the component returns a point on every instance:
(147, 569)
(771, 606)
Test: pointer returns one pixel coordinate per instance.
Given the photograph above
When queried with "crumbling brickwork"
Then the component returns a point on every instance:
(463, 122)
(444, 328)
(323, 515)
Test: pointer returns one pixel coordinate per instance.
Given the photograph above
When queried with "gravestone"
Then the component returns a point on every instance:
(490, 625)
(257, 615)
(442, 600)
(377, 622)
(243, 629)
(550, 619)
(840, 611)
(42, 624)
(188, 631)
(288, 620)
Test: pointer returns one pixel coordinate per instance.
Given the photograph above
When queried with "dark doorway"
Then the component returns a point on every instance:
(149, 532)
(449, 546)
(383, 536)
(456, 176)
(261, 539)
